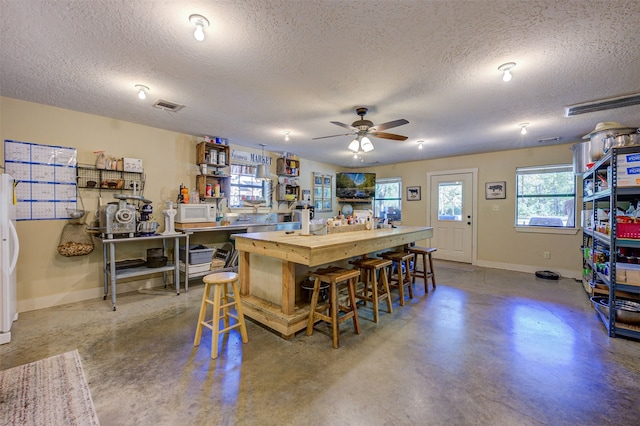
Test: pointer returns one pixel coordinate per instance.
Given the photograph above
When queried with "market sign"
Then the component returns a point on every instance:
(250, 157)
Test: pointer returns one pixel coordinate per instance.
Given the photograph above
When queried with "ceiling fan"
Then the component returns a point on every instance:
(363, 128)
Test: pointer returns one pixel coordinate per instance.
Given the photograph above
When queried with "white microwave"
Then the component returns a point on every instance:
(191, 213)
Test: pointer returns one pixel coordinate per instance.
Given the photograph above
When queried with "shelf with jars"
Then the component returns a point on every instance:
(611, 240)
(288, 170)
(214, 181)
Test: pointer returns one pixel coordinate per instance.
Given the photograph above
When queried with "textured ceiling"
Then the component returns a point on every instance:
(270, 66)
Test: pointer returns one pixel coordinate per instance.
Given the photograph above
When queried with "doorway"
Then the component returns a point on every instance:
(451, 211)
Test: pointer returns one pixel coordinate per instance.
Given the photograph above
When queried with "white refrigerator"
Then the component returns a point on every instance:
(9, 249)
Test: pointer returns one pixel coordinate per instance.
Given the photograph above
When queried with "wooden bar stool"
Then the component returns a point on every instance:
(335, 277)
(403, 261)
(426, 273)
(374, 273)
(220, 281)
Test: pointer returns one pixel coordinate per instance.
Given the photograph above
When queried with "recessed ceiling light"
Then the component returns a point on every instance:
(506, 70)
(201, 23)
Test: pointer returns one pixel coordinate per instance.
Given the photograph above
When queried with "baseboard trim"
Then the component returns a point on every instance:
(565, 273)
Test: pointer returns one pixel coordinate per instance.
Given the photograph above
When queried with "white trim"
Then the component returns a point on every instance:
(546, 230)
(88, 294)
(565, 273)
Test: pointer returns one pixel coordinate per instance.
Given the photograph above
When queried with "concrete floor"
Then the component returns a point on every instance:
(487, 347)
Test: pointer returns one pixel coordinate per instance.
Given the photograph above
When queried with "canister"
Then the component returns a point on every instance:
(213, 156)
(208, 192)
(222, 158)
(216, 190)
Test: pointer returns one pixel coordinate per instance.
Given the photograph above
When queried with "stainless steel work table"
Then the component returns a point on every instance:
(111, 274)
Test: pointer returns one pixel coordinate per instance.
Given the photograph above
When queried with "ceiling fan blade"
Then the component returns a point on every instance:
(346, 126)
(388, 136)
(332, 136)
(389, 124)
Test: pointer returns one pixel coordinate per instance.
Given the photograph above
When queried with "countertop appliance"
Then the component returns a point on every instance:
(9, 249)
(194, 213)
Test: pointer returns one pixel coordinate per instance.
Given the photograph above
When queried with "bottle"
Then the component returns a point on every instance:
(216, 190)
(368, 224)
(185, 195)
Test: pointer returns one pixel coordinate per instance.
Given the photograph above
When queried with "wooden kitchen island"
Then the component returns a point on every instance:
(271, 263)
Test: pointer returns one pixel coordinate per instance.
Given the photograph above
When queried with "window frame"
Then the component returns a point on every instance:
(264, 185)
(380, 181)
(546, 169)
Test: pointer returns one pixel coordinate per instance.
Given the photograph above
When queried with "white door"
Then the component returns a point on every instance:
(451, 214)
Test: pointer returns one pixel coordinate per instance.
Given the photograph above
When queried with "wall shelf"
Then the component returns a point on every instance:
(115, 180)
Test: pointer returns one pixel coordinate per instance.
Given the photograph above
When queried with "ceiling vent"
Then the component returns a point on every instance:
(602, 105)
(549, 140)
(168, 106)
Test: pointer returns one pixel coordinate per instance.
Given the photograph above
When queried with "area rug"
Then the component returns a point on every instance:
(52, 391)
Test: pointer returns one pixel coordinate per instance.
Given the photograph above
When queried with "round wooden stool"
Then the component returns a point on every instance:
(427, 272)
(335, 277)
(374, 272)
(220, 281)
(403, 278)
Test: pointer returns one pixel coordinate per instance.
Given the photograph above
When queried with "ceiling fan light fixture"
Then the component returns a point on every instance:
(420, 144)
(366, 144)
(201, 23)
(523, 128)
(355, 145)
(506, 70)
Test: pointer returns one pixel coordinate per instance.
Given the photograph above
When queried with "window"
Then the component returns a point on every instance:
(545, 196)
(450, 201)
(322, 192)
(244, 185)
(388, 200)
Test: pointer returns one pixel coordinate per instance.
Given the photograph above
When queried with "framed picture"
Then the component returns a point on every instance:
(495, 190)
(413, 193)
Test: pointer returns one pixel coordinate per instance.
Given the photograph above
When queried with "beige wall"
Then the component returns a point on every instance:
(498, 243)
(47, 279)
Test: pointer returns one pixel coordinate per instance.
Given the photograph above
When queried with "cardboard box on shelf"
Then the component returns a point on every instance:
(629, 159)
(626, 181)
(628, 273)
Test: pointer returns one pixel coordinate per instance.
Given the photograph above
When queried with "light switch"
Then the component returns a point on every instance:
(496, 207)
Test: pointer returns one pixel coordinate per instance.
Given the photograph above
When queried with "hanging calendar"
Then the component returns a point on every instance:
(46, 176)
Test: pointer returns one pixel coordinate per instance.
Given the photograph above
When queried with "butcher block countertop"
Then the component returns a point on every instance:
(314, 250)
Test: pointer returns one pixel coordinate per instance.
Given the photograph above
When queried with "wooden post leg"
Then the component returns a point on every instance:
(385, 285)
(244, 265)
(203, 311)
(352, 301)
(312, 307)
(288, 288)
(236, 299)
(215, 332)
(334, 314)
(374, 293)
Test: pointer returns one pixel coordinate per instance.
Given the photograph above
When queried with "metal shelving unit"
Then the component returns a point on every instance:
(607, 168)
(115, 180)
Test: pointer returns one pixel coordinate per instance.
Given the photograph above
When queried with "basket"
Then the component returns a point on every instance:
(628, 230)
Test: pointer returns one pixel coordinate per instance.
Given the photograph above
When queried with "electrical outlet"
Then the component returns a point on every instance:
(496, 207)
(547, 255)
